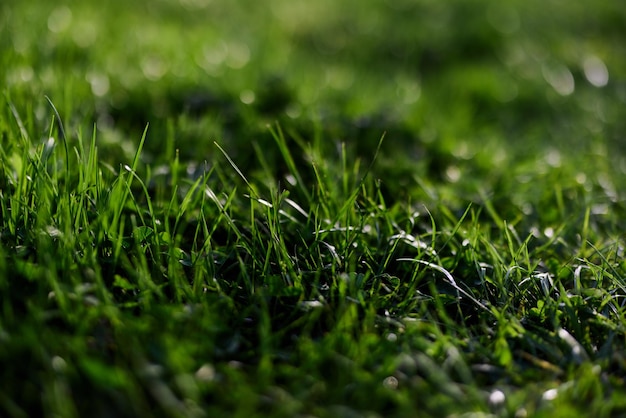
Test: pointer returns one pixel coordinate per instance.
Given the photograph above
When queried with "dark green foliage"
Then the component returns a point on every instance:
(312, 209)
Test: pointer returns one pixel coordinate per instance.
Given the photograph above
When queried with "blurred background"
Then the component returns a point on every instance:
(463, 89)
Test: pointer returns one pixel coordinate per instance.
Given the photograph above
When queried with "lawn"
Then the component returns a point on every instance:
(312, 209)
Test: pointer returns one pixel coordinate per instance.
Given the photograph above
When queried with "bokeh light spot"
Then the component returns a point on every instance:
(595, 71)
(60, 19)
(560, 78)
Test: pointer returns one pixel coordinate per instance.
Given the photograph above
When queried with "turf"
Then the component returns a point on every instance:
(329, 209)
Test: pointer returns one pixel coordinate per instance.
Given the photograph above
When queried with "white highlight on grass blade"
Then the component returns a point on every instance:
(234, 166)
(546, 282)
(333, 252)
(271, 206)
(53, 232)
(510, 271)
(48, 148)
(264, 202)
(288, 216)
(338, 229)
(412, 241)
(579, 354)
(211, 195)
(296, 207)
(291, 179)
(451, 280)
(309, 305)
(577, 276)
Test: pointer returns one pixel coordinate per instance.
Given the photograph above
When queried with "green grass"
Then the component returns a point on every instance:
(329, 209)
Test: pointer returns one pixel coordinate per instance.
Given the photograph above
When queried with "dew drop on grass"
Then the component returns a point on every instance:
(550, 395)
(206, 373)
(390, 383)
(53, 232)
(309, 305)
(497, 398)
(59, 364)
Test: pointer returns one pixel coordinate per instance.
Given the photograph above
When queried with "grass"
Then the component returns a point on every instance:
(211, 208)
